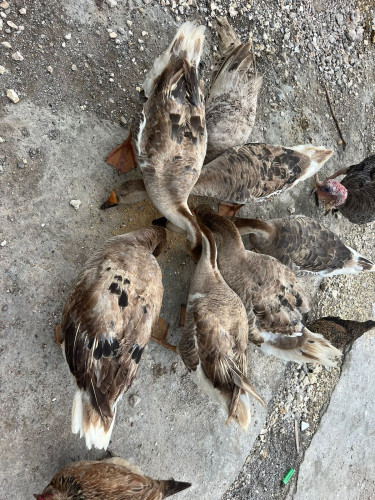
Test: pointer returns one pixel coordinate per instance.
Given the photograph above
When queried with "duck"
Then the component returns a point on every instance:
(107, 321)
(342, 333)
(304, 245)
(169, 135)
(253, 173)
(214, 337)
(354, 195)
(273, 298)
(232, 100)
(109, 479)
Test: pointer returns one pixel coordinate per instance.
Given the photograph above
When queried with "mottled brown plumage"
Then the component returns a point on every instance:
(340, 332)
(274, 300)
(247, 174)
(106, 325)
(170, 133)
(354, 195)
(232, 101)
(258, 172)
(303, 244)
(214, 338)
(112, 479)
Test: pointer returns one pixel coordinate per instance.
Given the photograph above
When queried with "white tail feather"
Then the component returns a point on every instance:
(188, 43)
(314, 349)
(88, 423)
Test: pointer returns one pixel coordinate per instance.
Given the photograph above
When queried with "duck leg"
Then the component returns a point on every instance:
(59, 336)
(228, 209)
(111, 202)
(160, 333)
(122, 157)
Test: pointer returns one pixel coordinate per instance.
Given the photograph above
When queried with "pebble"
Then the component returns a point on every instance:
(17, 56)
(113, 34)
(2, 140)
(6, 44)
(2, 70)
(12, 25)
(12, 95)
(74, 67)
(123, 121)
(22, 11)
(134, 400)
(3, 243)
(49, 69)
(4, 5)
(304, 426)
(111, 3)
(68, 36)
(76, 204)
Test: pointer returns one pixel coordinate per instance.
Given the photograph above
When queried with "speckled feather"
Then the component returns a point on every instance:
(303, 244)
(109, 315)
(267, 288)
(232, 101)
(359, 207)
(113, 479)
(215, 333)
(251, 173)
(170, 138)
(340, 332)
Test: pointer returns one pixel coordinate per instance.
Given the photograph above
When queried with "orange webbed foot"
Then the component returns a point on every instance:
(122, 156)
(160, 333)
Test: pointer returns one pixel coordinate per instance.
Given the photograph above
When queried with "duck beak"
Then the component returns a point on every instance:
(111, 202)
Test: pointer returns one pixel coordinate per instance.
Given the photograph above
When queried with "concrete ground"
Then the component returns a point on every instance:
(54, 143)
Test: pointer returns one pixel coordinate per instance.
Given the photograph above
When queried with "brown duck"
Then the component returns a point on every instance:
(232, 101)
(253, 173)
(106, 325)
(111, 479)
(354, 196)
(169, 135)
(340, 332)
(273, 298)
(214, 338)
(304, 245)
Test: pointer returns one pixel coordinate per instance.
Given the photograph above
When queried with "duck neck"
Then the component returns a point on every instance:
(246, 226)
(229, 238)
(209, 251)
(191, 226)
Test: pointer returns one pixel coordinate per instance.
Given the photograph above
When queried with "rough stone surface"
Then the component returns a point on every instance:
(65, 126)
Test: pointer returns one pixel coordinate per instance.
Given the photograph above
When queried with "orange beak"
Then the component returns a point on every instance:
(111, 202)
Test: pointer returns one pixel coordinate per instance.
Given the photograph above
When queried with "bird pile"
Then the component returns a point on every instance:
(183, 144)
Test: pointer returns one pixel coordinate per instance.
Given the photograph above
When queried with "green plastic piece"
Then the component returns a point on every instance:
(288, 475)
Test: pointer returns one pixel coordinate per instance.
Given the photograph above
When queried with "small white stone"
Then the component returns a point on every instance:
(42, 225)
(129, 23)
(144, 33)
(3, 243)
(12, 95)
(68, 36)
(74, 67)
(63, 45)
(21, 27)
(75, 203)
(6, 44)
(2, 140)
(111, 3)
(2, 70)
(49, 69)
(1, 24)
(134, 400)
(17, 56)
(22, 11)
(304, 426)
(53, 400)
(12, 25)
(4, 5)
(113, 34)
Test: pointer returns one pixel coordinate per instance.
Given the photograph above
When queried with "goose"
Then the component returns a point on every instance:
(214, 338)
(253, 173)
(110, 479)
(304, 245)
(169, 135)
(106, 324)
(232, 101)
(273, 298)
